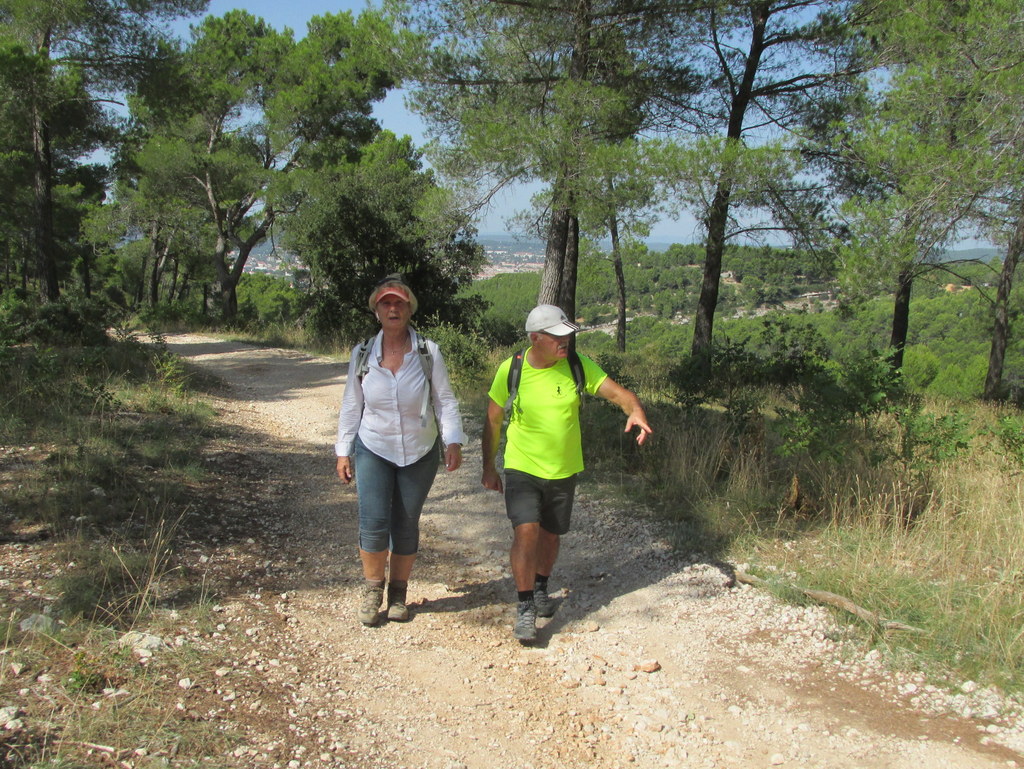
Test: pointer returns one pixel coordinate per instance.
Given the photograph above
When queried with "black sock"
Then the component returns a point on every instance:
(541, 582)
(397, 591)
(526, 595)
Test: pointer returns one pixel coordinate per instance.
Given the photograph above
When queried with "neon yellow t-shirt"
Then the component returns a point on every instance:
(543, 435)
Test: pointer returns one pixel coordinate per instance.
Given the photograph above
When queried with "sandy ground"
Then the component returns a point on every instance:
(654, 658)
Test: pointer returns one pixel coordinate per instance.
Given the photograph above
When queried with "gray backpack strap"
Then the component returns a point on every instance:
(427, 362)
(361, 361)
(360, 364)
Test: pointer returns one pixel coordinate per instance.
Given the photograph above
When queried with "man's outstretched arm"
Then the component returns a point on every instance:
(612, 391)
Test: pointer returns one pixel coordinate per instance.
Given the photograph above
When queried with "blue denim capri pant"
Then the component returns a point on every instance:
(391, 499)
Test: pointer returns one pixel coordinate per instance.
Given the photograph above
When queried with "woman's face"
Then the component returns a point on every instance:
(393, 313)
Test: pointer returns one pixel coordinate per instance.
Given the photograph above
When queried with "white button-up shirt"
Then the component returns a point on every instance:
(385, 411)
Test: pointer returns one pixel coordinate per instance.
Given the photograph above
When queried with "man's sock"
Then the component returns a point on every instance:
(540, 582)
(526, 595)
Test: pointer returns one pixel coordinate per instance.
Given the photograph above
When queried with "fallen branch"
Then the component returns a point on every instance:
(840, 602)
(108, 752)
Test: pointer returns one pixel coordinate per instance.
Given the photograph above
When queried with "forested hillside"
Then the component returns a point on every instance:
(947, 345)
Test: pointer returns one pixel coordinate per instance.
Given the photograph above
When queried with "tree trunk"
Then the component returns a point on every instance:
(158, 250)
(26, 253)
(140, 287)
(703, 322)
(172, 292)
(567, 286)
(620, 286)
(87, 273)
(561, 256)
(225, 283)
(900, 319)
(1001, 327)
(229, 300)
(718, 215)
(228, 277)
(42, 161)
(554, 257)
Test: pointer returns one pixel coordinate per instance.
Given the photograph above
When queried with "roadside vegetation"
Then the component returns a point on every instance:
(101, 481)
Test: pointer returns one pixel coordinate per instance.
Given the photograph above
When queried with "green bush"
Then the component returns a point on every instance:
(1010, 437)
(265, 299)
(465, 354)
(71, 321)
(920, 367)
(963, 381)
(171, 316)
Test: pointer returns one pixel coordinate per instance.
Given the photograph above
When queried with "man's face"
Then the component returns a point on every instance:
(549, 347)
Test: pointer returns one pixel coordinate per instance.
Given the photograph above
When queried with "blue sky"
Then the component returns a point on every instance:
(391, 113)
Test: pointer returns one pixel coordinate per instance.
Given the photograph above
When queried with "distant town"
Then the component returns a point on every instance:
(508, 254)
(504, 254)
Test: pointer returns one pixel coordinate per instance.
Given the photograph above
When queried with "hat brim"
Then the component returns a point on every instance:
(391, 292)
(561, 329)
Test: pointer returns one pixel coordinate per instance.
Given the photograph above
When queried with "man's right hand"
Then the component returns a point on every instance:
(492, 480)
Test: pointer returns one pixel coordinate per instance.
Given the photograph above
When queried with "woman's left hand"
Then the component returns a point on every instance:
(453, 457)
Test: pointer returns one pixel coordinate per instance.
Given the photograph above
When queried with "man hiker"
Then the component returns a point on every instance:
(541, 388)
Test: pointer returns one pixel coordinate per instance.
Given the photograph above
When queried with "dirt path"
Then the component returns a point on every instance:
(651, 660)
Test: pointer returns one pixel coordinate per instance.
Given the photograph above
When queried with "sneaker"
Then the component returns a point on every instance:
(372, 598)
(544, 603)
(397, 609)
(525, 630)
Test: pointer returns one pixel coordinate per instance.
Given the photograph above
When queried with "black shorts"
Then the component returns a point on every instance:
(529, 499)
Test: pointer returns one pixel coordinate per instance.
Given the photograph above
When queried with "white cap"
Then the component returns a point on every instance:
(549, 319)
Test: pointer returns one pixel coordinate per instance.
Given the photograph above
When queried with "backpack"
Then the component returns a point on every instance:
(515, 373)
(361, 364)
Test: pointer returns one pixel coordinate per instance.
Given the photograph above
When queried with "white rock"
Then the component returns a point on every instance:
(141, 641)
(38, 623)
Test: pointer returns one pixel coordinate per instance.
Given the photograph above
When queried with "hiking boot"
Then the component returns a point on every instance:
(397, 609)
(370, 605)
(525, 630)
(544, 603)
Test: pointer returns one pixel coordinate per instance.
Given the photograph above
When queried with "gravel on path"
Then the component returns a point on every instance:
(654, 658)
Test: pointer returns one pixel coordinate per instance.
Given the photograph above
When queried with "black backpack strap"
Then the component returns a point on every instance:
(578, 374)
(515, 373)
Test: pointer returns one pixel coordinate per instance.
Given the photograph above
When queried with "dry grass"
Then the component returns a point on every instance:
(934, 544)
